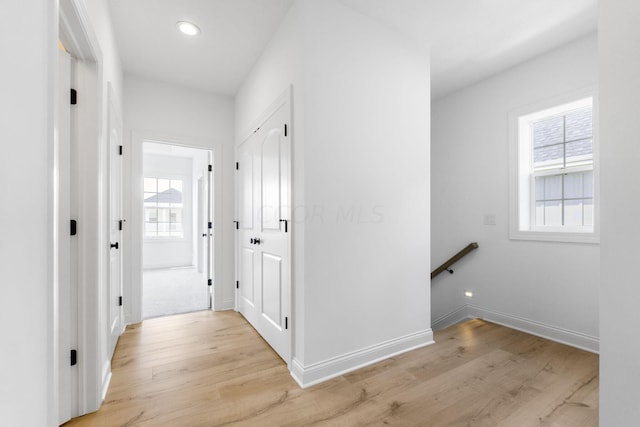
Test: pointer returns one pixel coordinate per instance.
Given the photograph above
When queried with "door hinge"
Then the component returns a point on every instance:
(237, 284)
(120, 224)
(73, 227)
(74, 97)
(210, 282)
(286, 323)
(210, 225)
(120, 148)
(74, 357)
(237, 225)
(286, 225)
(285, 129)
(210, 168)
(120, 301)
(237, 166)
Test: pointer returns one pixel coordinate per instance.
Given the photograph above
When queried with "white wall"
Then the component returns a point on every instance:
(367, 108)
(165, 253)
(620, 155)
(534, 284)
(100, 16)
(360, 145)
(26, 221)
(28, 390)
(174, 114)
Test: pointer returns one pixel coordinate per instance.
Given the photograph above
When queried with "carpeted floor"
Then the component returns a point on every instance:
(172, 291)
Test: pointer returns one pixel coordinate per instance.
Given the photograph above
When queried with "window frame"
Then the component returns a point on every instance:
(169, 238)
(522, 176)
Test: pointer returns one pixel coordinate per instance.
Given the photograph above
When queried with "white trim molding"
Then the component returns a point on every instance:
(224, 305)
(553, 333)
(307, 376)
(520, 170)
(134, 197)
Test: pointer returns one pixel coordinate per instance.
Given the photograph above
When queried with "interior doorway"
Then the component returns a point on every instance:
(177, 255)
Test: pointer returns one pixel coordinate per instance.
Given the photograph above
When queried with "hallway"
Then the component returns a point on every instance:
(205, 369)
(173, 291)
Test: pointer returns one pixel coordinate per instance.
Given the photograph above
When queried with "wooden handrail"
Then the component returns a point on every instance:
(453, 260)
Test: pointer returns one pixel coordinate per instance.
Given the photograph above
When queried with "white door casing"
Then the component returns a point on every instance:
(264, 230)
(208, 202)
(115, 224)
(201, 229)
(63, 213)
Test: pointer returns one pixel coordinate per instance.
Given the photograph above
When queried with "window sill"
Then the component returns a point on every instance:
(555, 236)
(164, 239)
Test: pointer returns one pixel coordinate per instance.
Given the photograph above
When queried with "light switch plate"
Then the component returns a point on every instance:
(490, 219)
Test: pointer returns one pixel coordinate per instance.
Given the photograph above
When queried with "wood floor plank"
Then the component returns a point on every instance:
(213, 369)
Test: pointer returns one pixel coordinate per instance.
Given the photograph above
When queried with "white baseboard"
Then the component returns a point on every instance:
(456, 316)
(106, 380)
(307, 376)
(554, 333)
(166, 266)
(225, 305)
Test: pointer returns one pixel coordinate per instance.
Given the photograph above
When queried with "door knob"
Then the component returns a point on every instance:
(256, 241)
(251, 240)
(114, 245)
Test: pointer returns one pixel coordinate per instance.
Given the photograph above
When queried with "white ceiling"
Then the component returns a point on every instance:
(469, 40)
(234, 33)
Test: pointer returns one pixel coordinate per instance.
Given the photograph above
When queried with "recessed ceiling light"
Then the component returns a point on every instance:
(188, 28)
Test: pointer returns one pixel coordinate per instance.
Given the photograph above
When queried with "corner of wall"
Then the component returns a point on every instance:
(550, 332)
(309, 375)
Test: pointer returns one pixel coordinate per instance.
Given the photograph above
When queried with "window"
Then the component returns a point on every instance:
(163, 208)
(554, 197)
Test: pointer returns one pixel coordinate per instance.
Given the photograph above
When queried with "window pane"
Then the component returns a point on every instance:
(163, 229)
(539, 188)
(573, 213)
(553, 213)
(588, 212)
(176, 215)
(163, 214)
(163, 185)
(579, 151)
(175, 197)
(150, 230)
(151, 215)
(553, 187)
(150, 185)
(163, 207)
(549, 131)
(579, 124)
(150, 198)
(573, 186)
(539, 213)
(552, 155)
(588, 184)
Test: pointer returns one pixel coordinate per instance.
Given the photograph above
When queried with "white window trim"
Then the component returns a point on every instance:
(520, 177)
(186, 196)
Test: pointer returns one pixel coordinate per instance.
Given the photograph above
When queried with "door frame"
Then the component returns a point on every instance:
(133, 196)
(285, 99)
(77, 34)
(114, 117)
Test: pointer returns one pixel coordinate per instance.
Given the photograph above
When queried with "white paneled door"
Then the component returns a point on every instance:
(264, 229)
(115, 224)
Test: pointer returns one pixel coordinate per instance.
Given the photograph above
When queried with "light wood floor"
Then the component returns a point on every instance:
(212, 369)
